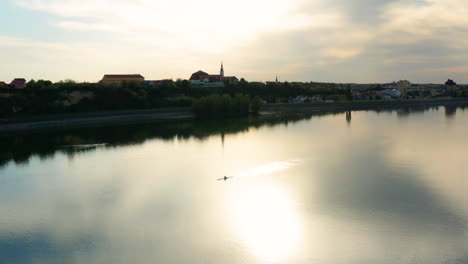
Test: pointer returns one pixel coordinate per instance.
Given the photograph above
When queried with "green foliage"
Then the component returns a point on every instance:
(44, 97)
(256, 105)
(349, 93)
(40, 84)
(6, 107)
(221, 106)
(126, 96)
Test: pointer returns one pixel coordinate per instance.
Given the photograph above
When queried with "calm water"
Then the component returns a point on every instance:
(360, 187)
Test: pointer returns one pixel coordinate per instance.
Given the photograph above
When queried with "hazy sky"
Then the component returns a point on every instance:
(300, 40)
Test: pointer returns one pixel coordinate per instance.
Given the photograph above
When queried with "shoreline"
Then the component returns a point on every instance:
(131, 117)
(359, 105)
(33, 124)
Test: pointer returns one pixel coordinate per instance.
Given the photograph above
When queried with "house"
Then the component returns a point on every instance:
(18, 83)
(391, 92)
(201, 78)
(403, 86)
(153, 83)
(300, 99)
(392, 85)
(110, 79)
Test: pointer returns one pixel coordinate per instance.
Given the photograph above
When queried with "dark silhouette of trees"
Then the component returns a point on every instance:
(44, 97)
(221, 106)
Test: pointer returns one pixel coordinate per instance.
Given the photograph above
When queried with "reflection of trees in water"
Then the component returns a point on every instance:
(19, 148)
(348, 117)
(450, 111)
(404, 112)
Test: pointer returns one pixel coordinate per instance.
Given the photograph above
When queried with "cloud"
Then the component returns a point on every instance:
(336, 40)
(79, 60)
(8, 41)
(372, 41)
(83, 26)
(212, 21)
(356, 11)
(463, 69)
(426, 19)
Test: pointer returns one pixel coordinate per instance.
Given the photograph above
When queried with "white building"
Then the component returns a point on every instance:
(391, 92)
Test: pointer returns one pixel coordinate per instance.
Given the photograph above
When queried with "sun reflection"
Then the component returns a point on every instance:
(267, 222)
(266, 169)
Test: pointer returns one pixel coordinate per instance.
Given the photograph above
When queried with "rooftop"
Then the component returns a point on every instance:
(123, 76)
(200, 73)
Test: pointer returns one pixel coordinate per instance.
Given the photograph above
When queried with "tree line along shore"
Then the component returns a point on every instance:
(44, 98)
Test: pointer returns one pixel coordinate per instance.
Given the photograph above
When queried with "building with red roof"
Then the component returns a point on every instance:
(119, 78)
(18, 83)
(201, 78)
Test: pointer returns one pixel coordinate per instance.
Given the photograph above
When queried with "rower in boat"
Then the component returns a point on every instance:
(225, 178)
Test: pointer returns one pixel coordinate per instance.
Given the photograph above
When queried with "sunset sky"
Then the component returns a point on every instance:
(299, 40)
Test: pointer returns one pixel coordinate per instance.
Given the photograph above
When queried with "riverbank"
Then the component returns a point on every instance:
(95, 119)
(100, 119)
(358, 105)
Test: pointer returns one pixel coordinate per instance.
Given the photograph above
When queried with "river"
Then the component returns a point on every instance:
(342, 187)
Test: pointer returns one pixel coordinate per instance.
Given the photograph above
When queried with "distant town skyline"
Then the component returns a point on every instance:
(360, 41)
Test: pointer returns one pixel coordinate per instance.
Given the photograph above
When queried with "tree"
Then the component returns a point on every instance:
(256, 105)
(220, 106)
(30, 84)
(349, 93)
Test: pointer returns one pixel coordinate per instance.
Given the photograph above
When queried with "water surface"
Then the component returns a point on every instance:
(355, 187)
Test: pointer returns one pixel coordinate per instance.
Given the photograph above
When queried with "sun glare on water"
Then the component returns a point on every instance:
(267, 222)
(265, 169)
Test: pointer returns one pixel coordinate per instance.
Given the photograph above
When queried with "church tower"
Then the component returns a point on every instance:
(221, 72)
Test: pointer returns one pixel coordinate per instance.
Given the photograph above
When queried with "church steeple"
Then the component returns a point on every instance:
(221, 72)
